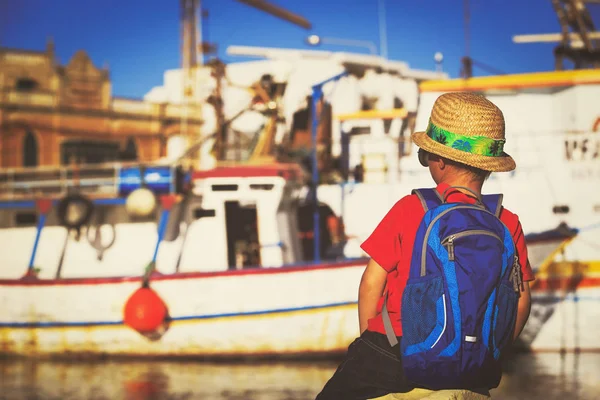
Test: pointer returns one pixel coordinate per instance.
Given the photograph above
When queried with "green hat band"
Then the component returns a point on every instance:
(481, 145)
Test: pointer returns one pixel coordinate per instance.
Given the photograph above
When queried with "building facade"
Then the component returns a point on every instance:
(53, 115)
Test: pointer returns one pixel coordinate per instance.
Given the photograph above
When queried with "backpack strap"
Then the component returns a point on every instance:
(493, 202)
(429, 198)
(387, 323)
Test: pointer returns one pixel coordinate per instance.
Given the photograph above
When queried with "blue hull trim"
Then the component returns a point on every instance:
(187, 318)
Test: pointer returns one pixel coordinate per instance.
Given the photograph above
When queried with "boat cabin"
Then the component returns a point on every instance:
(253, 216)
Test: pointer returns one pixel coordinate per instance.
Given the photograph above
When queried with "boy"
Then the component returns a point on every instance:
(462, 145)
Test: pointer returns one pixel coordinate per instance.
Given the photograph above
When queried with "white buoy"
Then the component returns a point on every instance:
(140, 203)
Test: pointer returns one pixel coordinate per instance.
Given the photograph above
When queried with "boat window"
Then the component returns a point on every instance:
(261, 186)
(224, 188)
(560, 209)
(387, 124)
(243, 244)
(30, 150)
(201, 213)
(360, 130)
(25, 218)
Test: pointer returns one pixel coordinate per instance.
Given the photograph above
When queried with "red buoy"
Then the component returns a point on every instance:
(145, 312)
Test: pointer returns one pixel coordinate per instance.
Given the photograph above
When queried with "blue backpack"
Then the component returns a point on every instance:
(459, 306)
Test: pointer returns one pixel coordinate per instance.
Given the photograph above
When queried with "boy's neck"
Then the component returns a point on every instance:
(456, 181)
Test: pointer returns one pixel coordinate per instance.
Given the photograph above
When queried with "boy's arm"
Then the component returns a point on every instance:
(370, 291)
(523, 310)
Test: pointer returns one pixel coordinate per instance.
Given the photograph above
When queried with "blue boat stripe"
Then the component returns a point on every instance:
(117, 201)
(186, 318)
(8, 205)
(17, 204)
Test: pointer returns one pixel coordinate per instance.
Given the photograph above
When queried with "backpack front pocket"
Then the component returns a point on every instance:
(424, 316)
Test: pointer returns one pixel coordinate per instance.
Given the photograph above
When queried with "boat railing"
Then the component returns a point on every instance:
(94, 180)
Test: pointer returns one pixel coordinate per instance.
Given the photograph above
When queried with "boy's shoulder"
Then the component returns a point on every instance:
(409, 203)
(510, 219)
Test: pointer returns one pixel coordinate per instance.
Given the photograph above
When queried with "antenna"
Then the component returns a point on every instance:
(467, 62)
(467, 18)
(466, 70)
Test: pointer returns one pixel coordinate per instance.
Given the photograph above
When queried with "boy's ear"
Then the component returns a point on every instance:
(441, 163)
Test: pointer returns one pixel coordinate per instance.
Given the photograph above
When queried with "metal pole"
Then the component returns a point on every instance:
(317, 94)
(382, 29)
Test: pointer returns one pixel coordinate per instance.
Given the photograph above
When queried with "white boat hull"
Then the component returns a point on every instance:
(290, 311)
(294, 311)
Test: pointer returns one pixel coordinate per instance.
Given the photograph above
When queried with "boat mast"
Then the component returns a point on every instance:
(467, 62)
(191, 59)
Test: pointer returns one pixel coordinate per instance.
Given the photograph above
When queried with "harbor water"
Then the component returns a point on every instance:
(546, 376)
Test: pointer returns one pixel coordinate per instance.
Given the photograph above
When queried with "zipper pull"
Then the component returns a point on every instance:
(516, 275)
(450, 246)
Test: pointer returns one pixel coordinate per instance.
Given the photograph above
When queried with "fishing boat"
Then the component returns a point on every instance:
(254, 251)
(225, 250)
(236, 282)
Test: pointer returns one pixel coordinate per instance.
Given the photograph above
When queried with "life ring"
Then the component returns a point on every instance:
(74, 211)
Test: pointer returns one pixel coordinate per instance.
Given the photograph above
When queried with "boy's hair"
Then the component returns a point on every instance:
(476, 174)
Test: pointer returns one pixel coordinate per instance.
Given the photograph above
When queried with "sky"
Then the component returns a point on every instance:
(139, 39)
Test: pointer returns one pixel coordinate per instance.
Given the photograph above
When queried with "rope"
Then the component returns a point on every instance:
(589, 227)
(150, 268)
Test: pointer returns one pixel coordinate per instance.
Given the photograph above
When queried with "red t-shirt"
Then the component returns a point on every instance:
(391, 245)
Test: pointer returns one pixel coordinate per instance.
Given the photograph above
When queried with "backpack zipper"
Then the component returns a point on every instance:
(516, 275)
(424, 249)
(448, 241)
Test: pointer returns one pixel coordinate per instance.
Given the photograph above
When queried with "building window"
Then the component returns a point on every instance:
(30, 150)
(26, 84)
(88, 152)
(129, 153)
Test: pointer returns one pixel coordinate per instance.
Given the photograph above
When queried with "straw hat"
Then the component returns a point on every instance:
(467, 128)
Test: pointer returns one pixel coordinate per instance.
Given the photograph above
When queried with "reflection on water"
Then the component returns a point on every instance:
(546, 376)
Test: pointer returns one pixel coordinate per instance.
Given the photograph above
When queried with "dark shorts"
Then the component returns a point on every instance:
(371, 368)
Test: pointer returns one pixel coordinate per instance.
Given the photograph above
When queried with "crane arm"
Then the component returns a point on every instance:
(278, 12)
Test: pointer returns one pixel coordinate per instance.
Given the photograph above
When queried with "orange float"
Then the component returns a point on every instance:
(145, 311)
